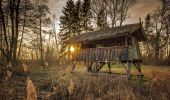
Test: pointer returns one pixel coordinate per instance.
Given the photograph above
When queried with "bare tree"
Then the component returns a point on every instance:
(158, 34)
(124, 6)
(113, 11)
(116, 10)
(100, 12)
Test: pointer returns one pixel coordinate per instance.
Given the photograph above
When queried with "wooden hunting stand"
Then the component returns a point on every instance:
(102, 47)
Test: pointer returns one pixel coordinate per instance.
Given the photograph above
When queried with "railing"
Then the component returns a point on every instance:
(102, 54)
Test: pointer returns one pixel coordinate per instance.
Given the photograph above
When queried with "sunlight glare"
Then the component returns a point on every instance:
(72, 49)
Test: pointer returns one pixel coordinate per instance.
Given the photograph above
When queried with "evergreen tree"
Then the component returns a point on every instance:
(147, 23)
(66, 24)
(102, 19)
(77, 28)
(75, 19)
(147, 43)
(86, 16)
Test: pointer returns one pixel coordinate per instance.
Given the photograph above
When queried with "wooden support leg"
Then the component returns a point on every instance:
(74, 65)
(129, 70)
(89, 66)
(139, 68)
(94, 67)
(100, 65)
(125, 67)
(109, 66)
(137, 65)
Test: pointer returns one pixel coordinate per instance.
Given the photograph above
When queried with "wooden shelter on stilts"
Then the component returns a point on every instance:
(102, 47)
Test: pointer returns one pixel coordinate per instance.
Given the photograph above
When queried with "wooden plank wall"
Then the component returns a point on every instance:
(102, 54)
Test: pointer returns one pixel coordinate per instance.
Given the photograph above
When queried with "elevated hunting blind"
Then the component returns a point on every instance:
(102, 47)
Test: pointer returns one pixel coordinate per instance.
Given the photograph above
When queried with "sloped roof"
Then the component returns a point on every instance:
(135, 30)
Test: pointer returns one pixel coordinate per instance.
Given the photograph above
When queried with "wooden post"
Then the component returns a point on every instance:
(74, 65)
(125, 67)
(137, 65)
(101, 64)
(126, 42)
(129, 70)
(89, 65)
(109, 66)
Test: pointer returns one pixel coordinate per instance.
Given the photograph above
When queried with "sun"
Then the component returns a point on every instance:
(72, 49)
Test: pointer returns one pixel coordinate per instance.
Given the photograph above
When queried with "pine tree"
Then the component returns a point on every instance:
(102, 20)
(86, 16)
(147, 32)
(75, 19)
(147, 23)
(66, 24)
(77, 28)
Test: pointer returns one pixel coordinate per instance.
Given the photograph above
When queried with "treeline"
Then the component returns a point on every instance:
(157, 29)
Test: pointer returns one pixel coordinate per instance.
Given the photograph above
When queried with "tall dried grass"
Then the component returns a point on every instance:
(7, 90)
(31, 91)
(112, 87)
(25, 67)
(46, 65)
(70, 87)
(9, 74)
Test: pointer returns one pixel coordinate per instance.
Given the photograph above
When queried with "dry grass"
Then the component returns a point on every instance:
(112, 87)
(9, 74)
(70, 87)
(25, 67)
(86, 86)
(46, 65)
(161, 73)
(95, 87)
(31, 91)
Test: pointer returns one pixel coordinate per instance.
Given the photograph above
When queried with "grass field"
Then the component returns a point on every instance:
(57, 83)
(106, 86)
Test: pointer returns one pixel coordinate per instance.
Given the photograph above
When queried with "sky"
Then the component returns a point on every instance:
(140, 9)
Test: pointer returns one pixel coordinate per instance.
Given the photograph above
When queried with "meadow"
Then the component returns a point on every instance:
(57, 82)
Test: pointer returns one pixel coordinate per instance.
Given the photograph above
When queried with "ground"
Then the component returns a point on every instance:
(57, 82)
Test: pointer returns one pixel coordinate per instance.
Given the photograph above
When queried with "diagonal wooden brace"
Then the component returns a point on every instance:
(74, 65)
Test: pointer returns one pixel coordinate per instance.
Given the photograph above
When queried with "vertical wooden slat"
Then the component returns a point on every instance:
(89, 58)
(80, 55)
(86, 55)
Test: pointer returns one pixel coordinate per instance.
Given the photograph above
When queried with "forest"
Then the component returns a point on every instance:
(39, 61)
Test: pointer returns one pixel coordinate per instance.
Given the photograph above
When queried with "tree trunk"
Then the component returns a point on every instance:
(12, 30)
(41, 45)
(22, 35)
(157, 42)
(16, 32)
(4, 32)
